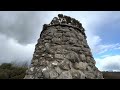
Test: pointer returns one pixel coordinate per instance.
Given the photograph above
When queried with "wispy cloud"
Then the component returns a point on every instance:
(98, 47)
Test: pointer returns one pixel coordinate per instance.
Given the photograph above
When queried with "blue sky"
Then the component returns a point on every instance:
(20, 30)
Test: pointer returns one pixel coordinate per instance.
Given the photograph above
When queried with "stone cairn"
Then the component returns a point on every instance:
(62, 52)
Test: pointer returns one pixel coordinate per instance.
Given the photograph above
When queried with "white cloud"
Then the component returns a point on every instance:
(94, 41)
(117, 47)
(11, 50)
(108, 63)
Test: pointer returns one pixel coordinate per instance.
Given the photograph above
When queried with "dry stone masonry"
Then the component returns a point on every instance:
(62, 52)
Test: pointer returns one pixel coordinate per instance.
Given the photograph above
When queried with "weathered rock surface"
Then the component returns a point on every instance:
(62, 52)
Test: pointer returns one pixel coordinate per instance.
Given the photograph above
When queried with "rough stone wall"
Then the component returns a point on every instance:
(62, 52)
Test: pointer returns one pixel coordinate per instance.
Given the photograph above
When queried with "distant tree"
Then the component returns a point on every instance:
(20, 63)
(25, 64)
(12, 71)
(6, 66)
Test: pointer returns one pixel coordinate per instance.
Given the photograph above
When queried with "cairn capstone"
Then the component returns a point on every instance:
(62, 52)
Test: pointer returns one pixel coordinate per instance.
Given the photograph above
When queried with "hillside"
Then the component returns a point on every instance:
(111, 75)
(11, 71)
